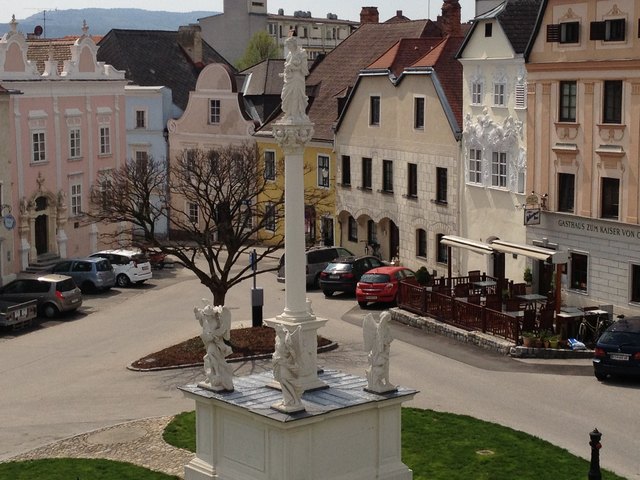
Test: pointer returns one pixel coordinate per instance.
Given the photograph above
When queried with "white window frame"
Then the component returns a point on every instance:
(270, 165)
(499, 169)
(215, 109)
(38, 146)
(75, 196)
(75, 144)
(499, 94)
(194, 213)
(475, 160)
(105, 139)
(477, 93)
(323, 162)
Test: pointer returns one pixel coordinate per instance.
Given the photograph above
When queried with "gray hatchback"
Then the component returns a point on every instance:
(54, 293)
(90, 274)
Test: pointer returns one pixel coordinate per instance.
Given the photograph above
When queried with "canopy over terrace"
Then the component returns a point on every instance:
(500, 246)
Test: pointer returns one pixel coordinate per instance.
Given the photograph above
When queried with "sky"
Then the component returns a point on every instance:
(345, 9)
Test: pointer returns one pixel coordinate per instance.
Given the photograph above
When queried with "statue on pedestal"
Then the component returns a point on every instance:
(286, 358)
(294, 97)
(216, 328)
(377, 342)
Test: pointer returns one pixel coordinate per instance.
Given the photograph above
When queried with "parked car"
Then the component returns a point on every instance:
(617, 350)
(90, 274)
(342, 274)
(317, 259)
(381, 284)
(130, 266)
(54, 293)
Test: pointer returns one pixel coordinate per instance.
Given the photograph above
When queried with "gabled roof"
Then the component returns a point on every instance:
(263, 78)
(155, 57)
(435, 56)
(517, 18)
(332, 78)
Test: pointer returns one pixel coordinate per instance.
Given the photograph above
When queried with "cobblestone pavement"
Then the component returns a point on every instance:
(139, 442)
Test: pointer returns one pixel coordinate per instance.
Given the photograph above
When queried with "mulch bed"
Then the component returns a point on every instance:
(245, 342)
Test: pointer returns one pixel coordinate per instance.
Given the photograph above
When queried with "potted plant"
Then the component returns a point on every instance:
(423, 277)
(527, 276)
(528, 339)
(545, 335)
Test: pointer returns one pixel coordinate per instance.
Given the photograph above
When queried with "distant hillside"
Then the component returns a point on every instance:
(58, 23)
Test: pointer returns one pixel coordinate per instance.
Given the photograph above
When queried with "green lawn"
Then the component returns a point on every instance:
(444, 446)
(77, 469)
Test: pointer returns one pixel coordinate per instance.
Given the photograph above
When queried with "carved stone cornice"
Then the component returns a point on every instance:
(292, 138)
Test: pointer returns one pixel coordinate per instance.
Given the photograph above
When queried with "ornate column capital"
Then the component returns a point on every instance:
(291, 137)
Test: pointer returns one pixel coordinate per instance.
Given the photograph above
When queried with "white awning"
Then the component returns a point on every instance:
(474, 246)
(538, 253)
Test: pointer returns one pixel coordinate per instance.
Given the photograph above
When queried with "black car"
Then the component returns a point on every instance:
(617, 351)
(343, 273)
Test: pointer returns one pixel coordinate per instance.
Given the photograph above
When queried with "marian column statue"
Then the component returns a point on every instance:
(294, 97)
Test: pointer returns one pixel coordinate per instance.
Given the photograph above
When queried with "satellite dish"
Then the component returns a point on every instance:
(37, 31)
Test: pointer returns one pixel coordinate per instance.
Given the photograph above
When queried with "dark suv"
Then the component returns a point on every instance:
(317, 259)
(343, 274)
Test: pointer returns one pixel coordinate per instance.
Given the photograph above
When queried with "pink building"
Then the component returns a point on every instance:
(65, 125)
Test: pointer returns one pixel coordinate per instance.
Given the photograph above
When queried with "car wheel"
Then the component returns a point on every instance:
(50, 310)
(600, 376)
(327, 293)
(123, 281)
(316, 282)
(362, 304)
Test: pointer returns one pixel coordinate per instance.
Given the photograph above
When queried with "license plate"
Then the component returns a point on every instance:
(75, 300)
(371, 297)
(23, 313)
(334, 277)
(145, 268)
(619, 356)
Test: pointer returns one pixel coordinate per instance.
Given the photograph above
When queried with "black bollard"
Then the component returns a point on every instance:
(594, 468)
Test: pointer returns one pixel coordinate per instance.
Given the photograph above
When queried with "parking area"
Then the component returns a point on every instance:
(101, 301)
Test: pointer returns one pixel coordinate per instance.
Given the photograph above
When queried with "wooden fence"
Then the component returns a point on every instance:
(455, 311)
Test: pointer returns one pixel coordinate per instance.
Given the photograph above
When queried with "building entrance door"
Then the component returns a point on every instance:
(42, 237)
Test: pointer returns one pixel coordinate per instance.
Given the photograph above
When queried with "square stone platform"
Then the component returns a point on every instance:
(344, 433)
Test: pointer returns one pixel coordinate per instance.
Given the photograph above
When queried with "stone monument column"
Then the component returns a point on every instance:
(292, 133)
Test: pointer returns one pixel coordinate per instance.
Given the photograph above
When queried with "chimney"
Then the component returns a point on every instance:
(450, 20)
(190, 39)
(399, 13)
(369, 15)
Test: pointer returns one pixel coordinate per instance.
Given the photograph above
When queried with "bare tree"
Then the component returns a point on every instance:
(219, 207)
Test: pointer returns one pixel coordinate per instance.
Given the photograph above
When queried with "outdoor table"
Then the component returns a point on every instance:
(532, 297)
(566, 321)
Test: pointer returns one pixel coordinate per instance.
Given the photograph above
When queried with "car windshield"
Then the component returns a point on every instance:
(339, 267)
(620, 338)
(140, 258)
(375, 278)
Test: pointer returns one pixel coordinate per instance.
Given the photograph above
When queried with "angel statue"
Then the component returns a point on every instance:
(294, 97)
(286, 358)
(216, 328)
(377, 341)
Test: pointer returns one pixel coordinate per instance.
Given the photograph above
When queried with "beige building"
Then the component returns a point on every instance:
(229, 32)
(583, 146)
(397, 143)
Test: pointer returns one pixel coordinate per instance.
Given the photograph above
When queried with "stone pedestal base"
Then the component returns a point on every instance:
(345, 433)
